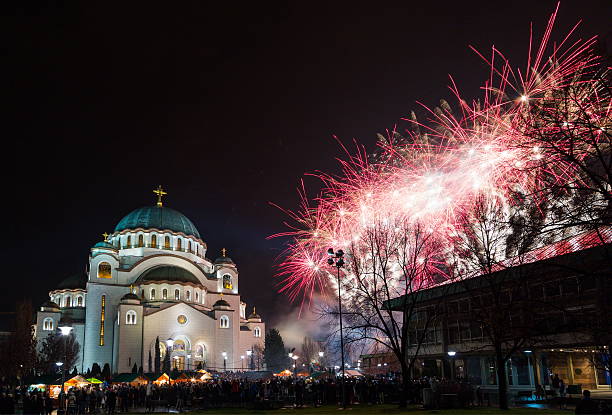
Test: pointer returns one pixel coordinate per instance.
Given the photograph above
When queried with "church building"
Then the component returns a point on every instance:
(151, 279)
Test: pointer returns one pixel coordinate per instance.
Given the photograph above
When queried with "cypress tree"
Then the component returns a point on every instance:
(135, 368)
(150, 367)
(157, 356)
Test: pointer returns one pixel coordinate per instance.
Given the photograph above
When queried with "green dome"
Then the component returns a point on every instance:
(168, 273)
(103, 244)
(75, 281)
(158, 217)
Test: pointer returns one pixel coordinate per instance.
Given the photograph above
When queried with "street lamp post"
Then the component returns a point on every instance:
(224, 354)
(452, 354)
(169, 343)
(336, 260)
(65, 330)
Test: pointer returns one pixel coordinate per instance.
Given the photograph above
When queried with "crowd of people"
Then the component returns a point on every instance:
(232, 390)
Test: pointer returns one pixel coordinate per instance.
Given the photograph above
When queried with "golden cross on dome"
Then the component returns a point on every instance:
(223, 252)
(160, 193)
(105, 236)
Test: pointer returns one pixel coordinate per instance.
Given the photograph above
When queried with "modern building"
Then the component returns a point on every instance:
(150, 279)
(558, 301)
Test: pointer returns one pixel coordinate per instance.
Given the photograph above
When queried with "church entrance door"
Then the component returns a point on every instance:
(179, 362)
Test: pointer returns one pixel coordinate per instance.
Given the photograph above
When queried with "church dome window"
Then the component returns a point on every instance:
(179, 244)
(140, 241)
(224, 322)
(257, 332)
(48, 324)
(227, 282)
(67, 301)
(79, 301)
(181, 319)
(104, 270)
(129, 242)
(177, 294)
(152, 294)
(165, 294)
(197, 297)
(153, 241)
(130, 317)
(167, 242)
(188, 295)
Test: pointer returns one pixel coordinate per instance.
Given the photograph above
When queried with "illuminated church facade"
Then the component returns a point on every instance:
(151, 279)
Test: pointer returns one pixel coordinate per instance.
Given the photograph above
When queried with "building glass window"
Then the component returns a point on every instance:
(79, 301)
(257, 332)
(130, 317)
(102, 317)
(165, 294)
(129, 241)
(177, 294)
(154, 241)
(224, 322)
(48, 324)
(140, 241)
(67, 301)
(227, 282)
(189, 246)
(152, 296)
(197, 298)
(179, 245)
(188, 295)
(167, 242)
(104, 270)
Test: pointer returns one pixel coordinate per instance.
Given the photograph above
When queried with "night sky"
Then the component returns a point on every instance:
(225, 104)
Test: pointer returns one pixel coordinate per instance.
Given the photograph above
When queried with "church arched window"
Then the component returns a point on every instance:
(189, 246)
(224, 322)
(257, 332)
(167, 242)
(129, 242)
(165, 294)
(227, 282)
(179, 246)
(140, 241)
(152, 295)
(67, 301)
(200, 351)
(104, 270)
(197, 297)
(79, 301)
(177, 294)
(153, 241)
(188, 295)
(130, 317)
(48, 324)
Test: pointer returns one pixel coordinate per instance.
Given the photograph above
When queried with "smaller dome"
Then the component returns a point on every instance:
(224, 260)
(76, 281)
(169, 273)
(104, 244)
(50, 304)
(130, 296)
(254, 315)
(221, 303)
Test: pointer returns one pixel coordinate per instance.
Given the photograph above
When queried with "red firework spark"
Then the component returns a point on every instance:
(433, 176)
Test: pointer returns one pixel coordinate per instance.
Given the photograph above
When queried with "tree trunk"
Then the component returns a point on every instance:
(403, 399)
(501, 378)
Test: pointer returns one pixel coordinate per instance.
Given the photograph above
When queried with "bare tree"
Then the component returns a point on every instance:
(387, 269)
(494, 282)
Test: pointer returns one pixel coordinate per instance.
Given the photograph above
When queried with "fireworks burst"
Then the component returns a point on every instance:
(434, 174)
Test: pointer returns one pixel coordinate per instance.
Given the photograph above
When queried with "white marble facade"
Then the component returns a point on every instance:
(150, 278)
